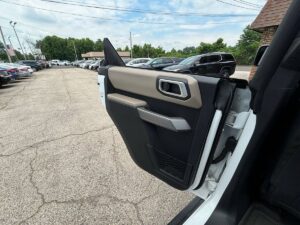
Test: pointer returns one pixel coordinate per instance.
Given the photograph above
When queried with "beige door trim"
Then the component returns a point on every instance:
(143, 82)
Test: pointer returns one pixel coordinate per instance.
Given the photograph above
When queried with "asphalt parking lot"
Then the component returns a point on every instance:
(62, 160)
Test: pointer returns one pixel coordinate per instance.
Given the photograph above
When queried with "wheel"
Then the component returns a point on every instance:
(225, 73)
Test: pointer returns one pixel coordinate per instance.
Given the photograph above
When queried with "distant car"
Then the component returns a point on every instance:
(86, 64)
(216, 64)
(137, 62)
(55, 62)
(101, 64)
(5, 78)
(64, 63)
(32, 63)
(160, 63)
(77, 62)
(43, 63)
(11, 70)
(95, 65)
(22, 70)
(126, 60)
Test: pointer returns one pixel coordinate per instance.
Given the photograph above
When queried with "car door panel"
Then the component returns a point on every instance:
(144, 82)
(165, 135)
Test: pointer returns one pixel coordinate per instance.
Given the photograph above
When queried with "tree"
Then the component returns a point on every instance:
(98, 46)
(54, 47)
(217, 46)
(247, 46)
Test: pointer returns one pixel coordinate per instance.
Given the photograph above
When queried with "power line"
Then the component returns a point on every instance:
(20, 31)
(108, 19)
(176, 13)
(248, 3)
(239, 6)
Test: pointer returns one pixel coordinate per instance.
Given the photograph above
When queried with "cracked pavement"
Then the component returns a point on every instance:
(62, 161)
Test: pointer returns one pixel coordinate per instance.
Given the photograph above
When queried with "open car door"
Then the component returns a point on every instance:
(174, 125)
(235, 147)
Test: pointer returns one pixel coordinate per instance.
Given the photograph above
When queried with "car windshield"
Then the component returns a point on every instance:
(189, 60)
(150, 61)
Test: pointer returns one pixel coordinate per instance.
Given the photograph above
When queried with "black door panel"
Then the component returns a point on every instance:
(168, 154)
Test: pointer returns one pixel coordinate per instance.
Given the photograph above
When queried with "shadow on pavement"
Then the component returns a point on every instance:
(6, 86)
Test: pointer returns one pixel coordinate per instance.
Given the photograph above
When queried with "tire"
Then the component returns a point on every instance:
(225, 73)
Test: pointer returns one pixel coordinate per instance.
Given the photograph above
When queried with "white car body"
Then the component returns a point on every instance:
(64, 63)
(84, 64)
(55, 62)
(94, 64)
(137, 62)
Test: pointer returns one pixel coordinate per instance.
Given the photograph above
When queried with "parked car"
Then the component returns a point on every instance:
(76, 62)
(11, 70)
(5, 78)
(32, 63)
(84, 63)
(55, 62)
(87, 64)
(137, 62)
(100, 64)
(217, 63)
(94, 65)
(43, 63)
(22, 70)
(126, 60)
(160, 63)
(64, 63)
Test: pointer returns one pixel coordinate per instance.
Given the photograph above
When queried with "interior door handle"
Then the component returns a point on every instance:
(171, 123)
(173, 88)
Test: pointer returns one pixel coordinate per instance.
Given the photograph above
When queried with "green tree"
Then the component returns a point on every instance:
(54, 47)
(98, 46)
(217, 46)
(126, 49)
(247, 46)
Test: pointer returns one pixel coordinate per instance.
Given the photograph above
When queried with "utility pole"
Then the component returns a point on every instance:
(11, 45)
(30, 49)
(130, 39)
(13, 24)
(75, 51)
(8, 56)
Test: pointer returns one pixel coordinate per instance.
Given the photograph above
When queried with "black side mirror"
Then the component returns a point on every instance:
(260, 54)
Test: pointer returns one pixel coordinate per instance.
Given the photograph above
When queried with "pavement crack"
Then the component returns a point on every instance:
(31, 177)
(35, 186)
(150, 196)
(36, 144)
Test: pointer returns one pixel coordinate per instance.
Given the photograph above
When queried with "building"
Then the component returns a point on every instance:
(268, 21)
(93, 55)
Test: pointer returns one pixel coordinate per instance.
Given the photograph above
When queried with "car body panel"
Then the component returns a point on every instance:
(201, 66)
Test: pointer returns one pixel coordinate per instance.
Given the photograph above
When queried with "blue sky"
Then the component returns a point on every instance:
(168, 26)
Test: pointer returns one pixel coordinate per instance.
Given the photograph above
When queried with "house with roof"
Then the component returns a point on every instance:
(268, 21)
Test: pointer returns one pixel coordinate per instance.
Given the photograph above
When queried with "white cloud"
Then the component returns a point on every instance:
(185, 31)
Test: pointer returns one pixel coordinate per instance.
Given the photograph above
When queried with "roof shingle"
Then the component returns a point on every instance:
(271, 15)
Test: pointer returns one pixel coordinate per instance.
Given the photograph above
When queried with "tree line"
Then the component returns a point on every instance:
(54, 47)
(244, 51)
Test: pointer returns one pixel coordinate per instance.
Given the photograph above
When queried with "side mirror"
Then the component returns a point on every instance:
(260, 54)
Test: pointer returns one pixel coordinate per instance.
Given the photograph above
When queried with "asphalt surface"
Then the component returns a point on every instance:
(62, 161)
